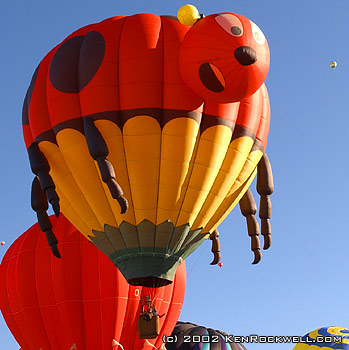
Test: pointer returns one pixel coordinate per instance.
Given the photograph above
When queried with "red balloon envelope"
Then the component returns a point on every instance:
(80, 301)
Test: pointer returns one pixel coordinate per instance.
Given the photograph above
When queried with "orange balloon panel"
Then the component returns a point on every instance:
(80, 301)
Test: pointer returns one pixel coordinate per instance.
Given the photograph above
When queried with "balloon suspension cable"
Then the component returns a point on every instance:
(149, 343)
(201, 248)
(116, 343)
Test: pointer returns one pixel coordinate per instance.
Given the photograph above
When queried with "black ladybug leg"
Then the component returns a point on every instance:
(39, 205)
(216, 247)
(248, 209)
(265, 187)
(99, 151)
(41, 168)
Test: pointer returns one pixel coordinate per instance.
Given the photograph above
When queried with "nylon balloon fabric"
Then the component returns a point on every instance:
(80, 301)
(141, 145)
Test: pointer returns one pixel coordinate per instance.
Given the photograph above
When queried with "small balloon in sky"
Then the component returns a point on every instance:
(220, 264)
(333, 64)
(2, 243)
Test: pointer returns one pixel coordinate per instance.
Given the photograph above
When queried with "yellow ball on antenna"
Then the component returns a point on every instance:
(188, 15)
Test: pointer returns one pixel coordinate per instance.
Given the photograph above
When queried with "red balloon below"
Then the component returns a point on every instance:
(80, 301)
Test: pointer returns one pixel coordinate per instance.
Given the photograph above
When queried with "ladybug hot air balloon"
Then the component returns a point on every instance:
(146, 132)
(80, 301)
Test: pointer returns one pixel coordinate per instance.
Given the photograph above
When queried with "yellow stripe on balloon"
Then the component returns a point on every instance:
(113, 138)
(212, 148)
(234, 161)
(85, 172)
(142, 139)
(65, 184)
(178, 145)
(236, 192)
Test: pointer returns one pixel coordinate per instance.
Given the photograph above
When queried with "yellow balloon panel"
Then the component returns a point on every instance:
(178, 148)
(142, 140)
(68, 190)
(83, 169)
(233, 162)
(236, 191)
(212, 147)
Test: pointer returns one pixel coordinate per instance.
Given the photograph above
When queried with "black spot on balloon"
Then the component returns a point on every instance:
(25, 118)
(209, 78)
(91, 57)
(28, 96)
(64, 65)
(32, 84)
(76, 62)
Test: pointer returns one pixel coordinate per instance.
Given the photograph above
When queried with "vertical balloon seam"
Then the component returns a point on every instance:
(137, 310)
(108, 198)
(211, 223)
(124, 316)
(207, 199)
(162, 31)
(191, 168)
(124, 309)
(52, 261)
(171, 305)
(122, 134)
(39, 236)
(215, 223)
(82, 299)
(33, 335)
(15, 321)
(102, 187)
(98, 27)
(20, 302)
(63, 158)
(52, 258)
(50, 121)
(103, 340)
(166, 301)
(236, 179)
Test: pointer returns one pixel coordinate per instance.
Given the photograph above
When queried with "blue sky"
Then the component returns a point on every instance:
(301, 283)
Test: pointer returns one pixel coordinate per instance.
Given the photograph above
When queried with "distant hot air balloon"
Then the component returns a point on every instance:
(325, 338)
(2, 243)
(164, 121)
(80, 301)
(188, 335)
(333, 64)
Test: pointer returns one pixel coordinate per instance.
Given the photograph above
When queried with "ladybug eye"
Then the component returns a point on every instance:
(230, 23)
(257, 34)
(235, 30)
